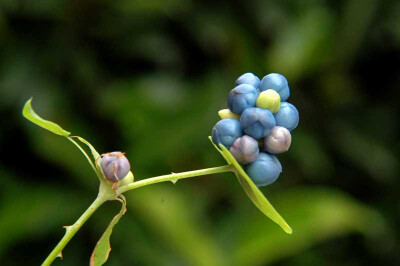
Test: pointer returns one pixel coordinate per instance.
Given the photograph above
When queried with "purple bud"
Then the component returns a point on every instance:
(115, 165)
(278, 141)
(245, 149)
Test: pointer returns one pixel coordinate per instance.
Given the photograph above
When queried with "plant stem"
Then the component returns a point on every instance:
(71, 230)
(174, 177)
(107, 195)
(84, 153)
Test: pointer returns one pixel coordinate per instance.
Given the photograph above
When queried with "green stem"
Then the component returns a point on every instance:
(71, 230)
(109, 195)
(84, 153)
(174, 177)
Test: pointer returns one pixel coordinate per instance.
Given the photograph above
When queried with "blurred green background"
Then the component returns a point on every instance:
(148, 77)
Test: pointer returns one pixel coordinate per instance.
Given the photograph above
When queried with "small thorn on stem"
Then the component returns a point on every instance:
(60, 255)
(67, 227)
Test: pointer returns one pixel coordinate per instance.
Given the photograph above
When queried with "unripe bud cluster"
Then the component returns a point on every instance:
(258, 118)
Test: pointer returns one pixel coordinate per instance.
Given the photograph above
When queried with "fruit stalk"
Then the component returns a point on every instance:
(101, 198)
(174, 177)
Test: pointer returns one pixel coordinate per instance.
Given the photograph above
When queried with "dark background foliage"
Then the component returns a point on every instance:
(148, 77)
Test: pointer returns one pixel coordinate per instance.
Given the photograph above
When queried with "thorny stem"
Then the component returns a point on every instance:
(101, 198)
(173, 177)
(71, 230)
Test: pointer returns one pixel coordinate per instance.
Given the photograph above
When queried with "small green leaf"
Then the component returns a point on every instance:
(96, 157)
(102, 250)
(252, 190)
(32, 116)
(95, 154)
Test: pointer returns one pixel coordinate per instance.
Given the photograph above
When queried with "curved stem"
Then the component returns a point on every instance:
(103, 197)
(175, 177)
(71, 230)
(83, 152)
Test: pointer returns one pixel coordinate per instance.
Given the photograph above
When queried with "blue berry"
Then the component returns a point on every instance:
(242, 97)
(287, 116)
(226, 131)
(245, 149)
(265, 170)
(248, 78)
(115, 165)
(257, 122)
(276, 82)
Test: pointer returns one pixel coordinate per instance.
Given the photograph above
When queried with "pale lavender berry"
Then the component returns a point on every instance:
(278, 140)
(115, 165)
(245, 149)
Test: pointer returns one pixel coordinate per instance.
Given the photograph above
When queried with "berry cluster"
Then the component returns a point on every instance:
(257, 125)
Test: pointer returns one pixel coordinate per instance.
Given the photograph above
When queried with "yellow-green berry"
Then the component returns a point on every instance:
(226, 113)
(270, 100)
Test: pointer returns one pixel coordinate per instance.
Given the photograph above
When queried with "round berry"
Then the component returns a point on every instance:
(278, 141)
(226, 131)
(276, 82)
(257, 122)
(115, 165)
(245, 149)
(265, 170)
(270, 100)
(287, 116)
(248, 78)
(242, 97)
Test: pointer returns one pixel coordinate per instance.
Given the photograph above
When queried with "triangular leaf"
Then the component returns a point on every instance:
(102, 250)
(32, 116)
(252, 190)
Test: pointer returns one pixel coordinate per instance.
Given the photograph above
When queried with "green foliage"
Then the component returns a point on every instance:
(31, 115)
(182, 234)
(256, 196)
(147, 78)
(97, 162)
(106, 192)
(102, 250)
(317, 214)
